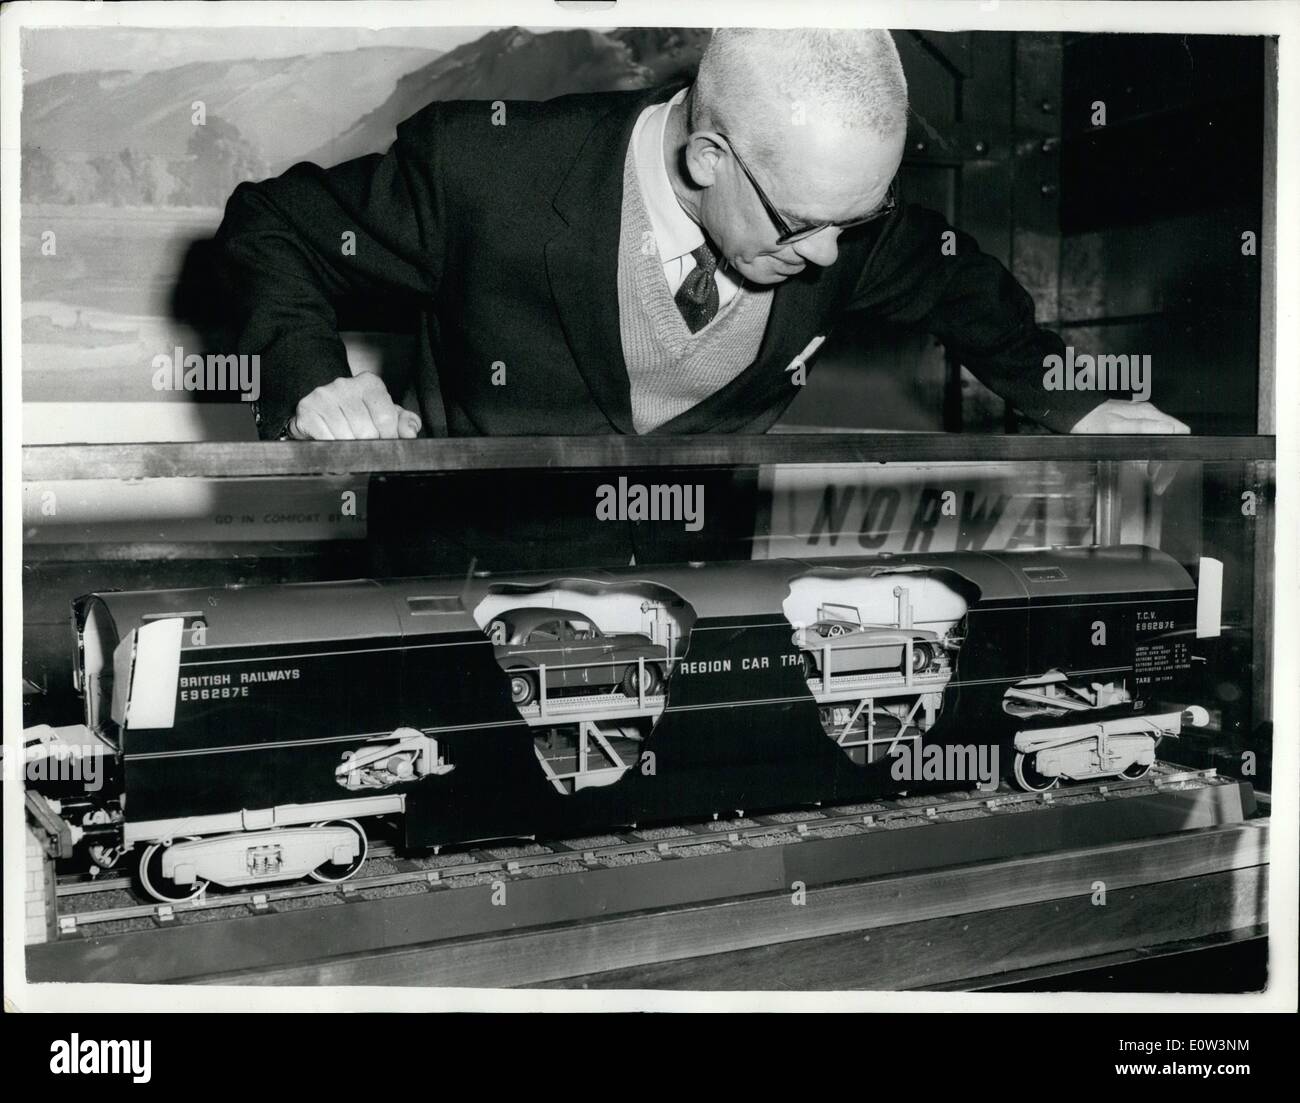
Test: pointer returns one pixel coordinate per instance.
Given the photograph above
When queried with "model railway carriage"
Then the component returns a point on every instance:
(254, 731)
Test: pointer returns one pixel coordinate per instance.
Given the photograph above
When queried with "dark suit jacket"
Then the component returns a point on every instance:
(504, 241)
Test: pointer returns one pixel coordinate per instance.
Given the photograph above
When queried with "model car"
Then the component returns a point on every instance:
(576, 653)
(865, 648)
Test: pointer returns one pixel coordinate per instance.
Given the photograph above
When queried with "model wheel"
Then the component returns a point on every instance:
(836, 630)
(523, 687)
(632, 680)
(922, 656)
(328, 872)
(164, 888)
(1028, 777)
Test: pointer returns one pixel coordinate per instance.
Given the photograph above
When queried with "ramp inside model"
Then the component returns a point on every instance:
(591, 681)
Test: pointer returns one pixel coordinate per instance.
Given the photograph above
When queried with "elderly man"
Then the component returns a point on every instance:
(640, 262)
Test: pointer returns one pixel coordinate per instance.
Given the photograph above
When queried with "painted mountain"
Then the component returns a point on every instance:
(130, 137)
(513, 63)
(274, 103)
(670, 53)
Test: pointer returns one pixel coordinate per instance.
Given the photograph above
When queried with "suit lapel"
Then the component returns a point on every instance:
(582, 259)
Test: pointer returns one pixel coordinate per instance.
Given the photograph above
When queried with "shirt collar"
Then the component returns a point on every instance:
(676, 233)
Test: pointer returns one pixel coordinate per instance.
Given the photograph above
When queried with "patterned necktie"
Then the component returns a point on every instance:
(697, 298)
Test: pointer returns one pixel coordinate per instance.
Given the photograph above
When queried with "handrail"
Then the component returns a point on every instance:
(256, 459)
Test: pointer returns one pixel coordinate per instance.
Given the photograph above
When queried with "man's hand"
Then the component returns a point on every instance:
(1118, 415)
(355, 408)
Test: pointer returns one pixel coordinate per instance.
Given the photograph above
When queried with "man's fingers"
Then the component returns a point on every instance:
(1148, 412)
(383, 412)
(357, 412)
(1167, 424)
(334, 418)
(408, 424)
(1116, 416)
(308, 425)
(355, 408)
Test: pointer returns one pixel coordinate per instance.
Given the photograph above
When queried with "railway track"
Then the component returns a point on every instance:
(471, 865)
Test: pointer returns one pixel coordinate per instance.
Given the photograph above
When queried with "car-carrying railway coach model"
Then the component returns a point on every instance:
(248, 733)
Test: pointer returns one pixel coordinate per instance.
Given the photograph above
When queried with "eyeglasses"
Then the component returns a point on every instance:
(787, 233)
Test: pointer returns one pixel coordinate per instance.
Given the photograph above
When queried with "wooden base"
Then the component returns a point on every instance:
(912, 931)
(979, 949)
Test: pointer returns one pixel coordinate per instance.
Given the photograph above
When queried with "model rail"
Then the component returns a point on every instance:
(806, 826)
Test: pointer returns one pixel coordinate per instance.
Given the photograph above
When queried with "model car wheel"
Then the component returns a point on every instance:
(523, 687)
(809, 666)
(632, 680)
(1028, 777)
(328, 872)
(161, 887)
(922, 656)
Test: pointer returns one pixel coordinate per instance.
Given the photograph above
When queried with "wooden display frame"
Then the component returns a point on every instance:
(224, 459)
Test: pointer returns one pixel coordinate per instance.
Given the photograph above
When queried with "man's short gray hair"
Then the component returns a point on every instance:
(854, 77)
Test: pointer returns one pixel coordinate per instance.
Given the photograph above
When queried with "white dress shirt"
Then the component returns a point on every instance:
(676, 233)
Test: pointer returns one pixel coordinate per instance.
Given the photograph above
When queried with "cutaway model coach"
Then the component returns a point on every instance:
(252, 732)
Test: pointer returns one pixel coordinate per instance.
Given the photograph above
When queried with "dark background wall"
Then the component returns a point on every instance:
(1154, 205)
(1128, 235)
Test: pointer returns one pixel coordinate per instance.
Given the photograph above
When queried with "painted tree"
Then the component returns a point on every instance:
(219, 158)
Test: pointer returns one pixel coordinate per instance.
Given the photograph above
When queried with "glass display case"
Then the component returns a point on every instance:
(623, 646)
(508, 509)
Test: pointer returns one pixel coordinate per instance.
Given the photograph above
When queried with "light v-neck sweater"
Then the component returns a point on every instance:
(669, 368)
